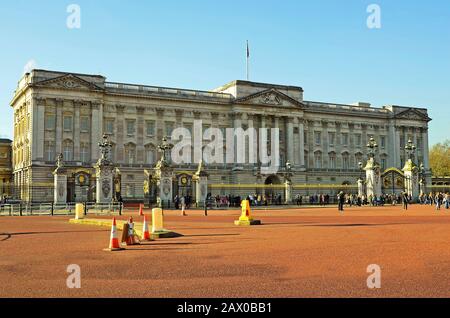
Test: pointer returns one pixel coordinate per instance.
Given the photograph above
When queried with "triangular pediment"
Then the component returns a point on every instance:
(69, 81)
(412, 114)
(270, 97)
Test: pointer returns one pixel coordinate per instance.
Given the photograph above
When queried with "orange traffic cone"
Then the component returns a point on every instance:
(114, 240)
(146, 233)
(141, 207)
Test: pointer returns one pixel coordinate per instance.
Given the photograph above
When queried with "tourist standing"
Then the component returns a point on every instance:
(438, 200)
(183, 205)
(341, 200)
(405, 201)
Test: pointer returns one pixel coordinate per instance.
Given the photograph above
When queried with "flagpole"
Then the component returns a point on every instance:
(248, 56)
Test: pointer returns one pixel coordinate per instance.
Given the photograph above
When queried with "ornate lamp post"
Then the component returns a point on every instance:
(421, 178)
(372, 147)
(360, 180)
(410, 149)
(288, 183)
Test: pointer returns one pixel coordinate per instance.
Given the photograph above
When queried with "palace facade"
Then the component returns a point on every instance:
(5, 167)
(59, 112)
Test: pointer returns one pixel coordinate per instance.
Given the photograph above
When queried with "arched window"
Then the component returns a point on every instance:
(332, 160)
(150, 155)
(130, 153)
(345, 161)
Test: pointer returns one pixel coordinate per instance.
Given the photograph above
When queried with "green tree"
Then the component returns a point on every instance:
(440, 159)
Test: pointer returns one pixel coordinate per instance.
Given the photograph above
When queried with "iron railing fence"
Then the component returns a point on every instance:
(50, 208)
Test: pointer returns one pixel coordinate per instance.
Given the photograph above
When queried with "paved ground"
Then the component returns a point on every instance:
(296, 253)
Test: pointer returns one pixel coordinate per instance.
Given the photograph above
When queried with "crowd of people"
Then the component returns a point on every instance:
(437, 199)
(349, 199)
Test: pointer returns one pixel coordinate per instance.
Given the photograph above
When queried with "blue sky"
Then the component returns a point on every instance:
(323, 46)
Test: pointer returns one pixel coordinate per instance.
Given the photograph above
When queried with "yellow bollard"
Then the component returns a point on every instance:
(157, 220)
(79, 211)
(246, 218)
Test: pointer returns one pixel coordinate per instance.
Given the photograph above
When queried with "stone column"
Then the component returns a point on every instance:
(426, 160)
(290, 140)
(397, 147)
(76, 131)
(59, 125)
(96, 134)
(288, 192)
(301, 131)
(237, 123)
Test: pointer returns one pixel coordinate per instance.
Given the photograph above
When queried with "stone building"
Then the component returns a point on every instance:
(58, 112)
(5, 167)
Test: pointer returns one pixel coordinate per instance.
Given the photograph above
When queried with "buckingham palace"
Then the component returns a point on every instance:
(323, 142)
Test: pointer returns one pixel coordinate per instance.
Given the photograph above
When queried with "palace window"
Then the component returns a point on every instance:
(130, 151)
(150, 155)
(84, 124)
(150, 128)
(331, 137)
(383, 141)
(344, 139)
(318, 160)
(318, 137)
(345, 161)
(49, 149)
(358, 140)
(383, 163)
(169, 129)
(84, 153)
(67, 123)
(332, 160)
(68, 150)
(109, 126)
(50, 122)
(131, 127)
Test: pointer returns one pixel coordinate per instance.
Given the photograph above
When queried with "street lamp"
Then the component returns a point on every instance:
(360, 164)
(410, 149)
(421, 177)
(372, 147)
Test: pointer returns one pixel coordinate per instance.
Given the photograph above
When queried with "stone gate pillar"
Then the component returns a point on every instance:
(104, 173)
(411, 179)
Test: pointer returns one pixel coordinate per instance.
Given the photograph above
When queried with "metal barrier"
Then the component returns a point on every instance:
(46, 208)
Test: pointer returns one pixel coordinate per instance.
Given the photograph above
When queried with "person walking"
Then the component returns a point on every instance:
(438, 200)
(341, 200)
(183, 205)
(405, 201)
(447, 201)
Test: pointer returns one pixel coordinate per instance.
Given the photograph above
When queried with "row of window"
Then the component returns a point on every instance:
(50, 123)
(334, 139)
(345, 163)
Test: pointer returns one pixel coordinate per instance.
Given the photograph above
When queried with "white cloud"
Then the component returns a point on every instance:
(31, 64)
